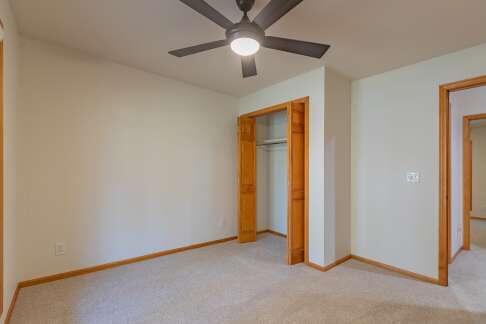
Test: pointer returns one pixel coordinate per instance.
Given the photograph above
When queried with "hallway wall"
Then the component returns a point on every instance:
(463, 103)
(395, 129)
(478, 136)
(10, 191)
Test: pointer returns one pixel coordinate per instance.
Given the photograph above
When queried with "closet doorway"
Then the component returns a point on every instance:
(281, 129)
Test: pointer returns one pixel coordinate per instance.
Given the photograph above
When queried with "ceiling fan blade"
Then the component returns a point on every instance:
(199, 48)
(295, 46)
(274, 10)
(209, 12)
(249, 66)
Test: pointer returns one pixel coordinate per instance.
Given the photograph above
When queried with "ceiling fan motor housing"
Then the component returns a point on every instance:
(245, 28)
(245, 5)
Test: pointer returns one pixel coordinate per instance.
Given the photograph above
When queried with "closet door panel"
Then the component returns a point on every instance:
(296, 208)
(247, 180)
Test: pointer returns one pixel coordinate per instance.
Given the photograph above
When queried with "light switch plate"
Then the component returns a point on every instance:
(59, 249)
(413, 177)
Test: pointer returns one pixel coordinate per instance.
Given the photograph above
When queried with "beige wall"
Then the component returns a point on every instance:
(478, 136)
(395, 129)
(337, 166)
(117, 163)
(11, 268)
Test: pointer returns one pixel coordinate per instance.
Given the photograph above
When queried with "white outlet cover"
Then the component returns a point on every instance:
(413, 177)
(59, 249)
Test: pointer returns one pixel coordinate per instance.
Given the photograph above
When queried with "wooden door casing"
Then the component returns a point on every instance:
(1, 174)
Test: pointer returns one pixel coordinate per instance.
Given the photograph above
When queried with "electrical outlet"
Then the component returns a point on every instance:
(59, 249)
(413, 177)
(221, 223)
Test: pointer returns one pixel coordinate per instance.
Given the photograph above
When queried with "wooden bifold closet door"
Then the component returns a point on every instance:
(297, 183)
(297, 175)
(247, 179)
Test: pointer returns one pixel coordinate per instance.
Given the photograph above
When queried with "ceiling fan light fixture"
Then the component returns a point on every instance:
(247, 36)
(245, 46)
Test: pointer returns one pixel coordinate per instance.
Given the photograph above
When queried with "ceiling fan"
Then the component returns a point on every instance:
(246, 37)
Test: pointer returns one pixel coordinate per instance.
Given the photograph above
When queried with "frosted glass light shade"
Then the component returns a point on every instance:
(245, 46)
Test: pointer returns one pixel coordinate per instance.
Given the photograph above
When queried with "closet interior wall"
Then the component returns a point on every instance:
(272, 173)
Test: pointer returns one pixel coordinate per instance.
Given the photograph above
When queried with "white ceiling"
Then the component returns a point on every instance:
(367, 37)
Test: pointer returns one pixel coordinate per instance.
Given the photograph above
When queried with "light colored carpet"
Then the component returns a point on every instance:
(232, 283)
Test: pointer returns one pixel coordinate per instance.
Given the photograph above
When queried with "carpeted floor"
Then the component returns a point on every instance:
(232, 283)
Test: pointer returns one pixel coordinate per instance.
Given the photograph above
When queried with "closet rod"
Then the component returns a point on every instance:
(272, 142)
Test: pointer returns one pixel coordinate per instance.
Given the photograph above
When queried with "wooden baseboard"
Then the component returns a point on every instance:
(397, 270)
(12, 305)
(329, 266)
(455, 255)
(64, 275)
(272, 232)
(478, 218)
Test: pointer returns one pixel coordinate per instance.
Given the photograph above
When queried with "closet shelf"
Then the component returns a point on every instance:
(272, 141)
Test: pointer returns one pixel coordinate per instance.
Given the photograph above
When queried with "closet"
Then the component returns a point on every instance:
(273, 175)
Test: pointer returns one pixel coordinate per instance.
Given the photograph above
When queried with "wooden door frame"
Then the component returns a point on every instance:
(1, 171)
(286, 106)
(445, 169)
(467, 178)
